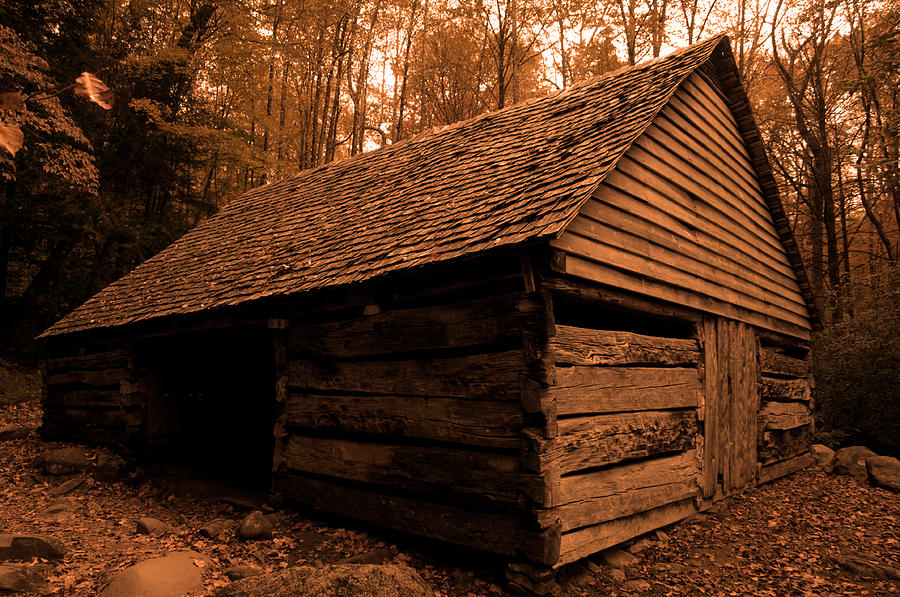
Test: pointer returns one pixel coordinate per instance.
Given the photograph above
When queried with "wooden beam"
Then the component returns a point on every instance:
(491, 531)
(586, 541)
(436, 469)
(496, 424)
(784, 415)
(780, 469)
(624, 490)
(587, 390)
(486, 376)
(772, 362)
(582, 346)
(785, 390)
(588, 442)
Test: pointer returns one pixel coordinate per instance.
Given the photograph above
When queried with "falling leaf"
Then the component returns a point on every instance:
(90, 87)
(11, 137)
(12, 100)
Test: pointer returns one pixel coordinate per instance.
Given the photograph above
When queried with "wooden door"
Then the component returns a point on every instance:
(730, 408)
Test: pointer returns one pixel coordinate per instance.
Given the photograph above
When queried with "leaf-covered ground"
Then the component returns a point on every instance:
(779, 539)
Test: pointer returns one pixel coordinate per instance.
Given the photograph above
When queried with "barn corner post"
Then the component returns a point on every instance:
(534, 570)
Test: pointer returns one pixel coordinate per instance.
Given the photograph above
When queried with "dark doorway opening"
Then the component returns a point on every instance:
(212, 403)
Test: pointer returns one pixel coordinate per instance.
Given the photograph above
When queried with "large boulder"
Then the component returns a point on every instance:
(850, 461)
(101, 463)
(173, 575)
(22, 579)
(884, 471)
(337, 580)
(822, 454)
(25, 547)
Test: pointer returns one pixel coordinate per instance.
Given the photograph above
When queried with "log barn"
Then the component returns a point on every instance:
(538, 333)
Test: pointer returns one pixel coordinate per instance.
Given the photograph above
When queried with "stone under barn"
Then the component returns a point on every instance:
(538, 333)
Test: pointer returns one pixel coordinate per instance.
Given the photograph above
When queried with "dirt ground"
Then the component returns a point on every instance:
(785, 538)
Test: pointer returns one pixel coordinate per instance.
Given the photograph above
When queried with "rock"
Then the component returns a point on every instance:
(170, 576)
(866, 566)
(10, 432)
(639, 545)
(255, 526)
(136, 502)
(24, 579)
(822, 454)
(216, 529)
(884, 471)
(153, 526)
(636, 586)
(337, 580)
(25, 547)
(66, 486)
(662, 537)
(850, 461)
(616, 575)
(12, 578)
(377, 556)
(239, 572)
(616, 558)
(64, 509)
(103, 464)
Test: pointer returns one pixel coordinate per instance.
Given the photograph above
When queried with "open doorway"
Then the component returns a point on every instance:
(212, 403)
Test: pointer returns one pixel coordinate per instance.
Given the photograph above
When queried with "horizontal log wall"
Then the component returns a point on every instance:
(410, 416)
(623, 458)
(94, 394)
(785, 425)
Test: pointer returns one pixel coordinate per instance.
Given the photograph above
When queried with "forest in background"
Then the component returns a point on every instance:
(214, 97)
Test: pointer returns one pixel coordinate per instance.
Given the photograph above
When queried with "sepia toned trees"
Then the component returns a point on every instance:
(217, 96)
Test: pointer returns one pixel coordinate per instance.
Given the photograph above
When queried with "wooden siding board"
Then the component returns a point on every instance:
(653, 250)
(611, 276)
(683, 265)
(591, 390)
(699, 217)
(495, 424)
(621, 214)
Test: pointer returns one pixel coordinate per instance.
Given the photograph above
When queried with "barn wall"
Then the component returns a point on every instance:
(94, 394)
(409, 413)
(682, 218)
(658, 412)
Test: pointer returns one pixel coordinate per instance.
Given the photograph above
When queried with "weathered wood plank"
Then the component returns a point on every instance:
(82, 398)
(479, 322)
(493, 376)
(712, 411)
(675, 209)
(624, 490)
(582, 346)
(772, 362)
(578, 266)
(433, 469)
(744, 399)
(780, 444)
(613, 247)
(785, 389)
(709, 256)
(786, 467)
(494, 532)
(495, 424)
(586, 541)
(588, 442)
(784, 415)
(110, 359)
(87, 377)
(586, 390)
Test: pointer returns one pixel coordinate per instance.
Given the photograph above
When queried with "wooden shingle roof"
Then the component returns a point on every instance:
(501, 179)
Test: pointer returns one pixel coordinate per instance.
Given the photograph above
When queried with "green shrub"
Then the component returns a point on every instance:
(856, 364)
